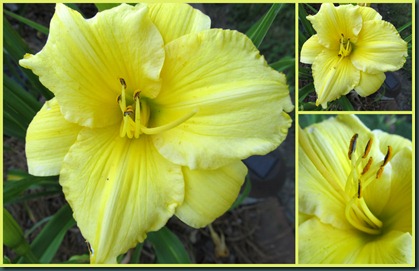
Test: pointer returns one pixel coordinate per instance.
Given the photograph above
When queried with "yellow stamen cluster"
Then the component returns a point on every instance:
(345, 46)
(136, 116)
(357, 212)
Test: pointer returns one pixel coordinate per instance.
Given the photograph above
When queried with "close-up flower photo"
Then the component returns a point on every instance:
(355, 189)
(121, 118)
(355, 57)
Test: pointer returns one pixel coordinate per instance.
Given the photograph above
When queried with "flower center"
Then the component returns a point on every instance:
(135, 116)
(357, 212)
(345, 46)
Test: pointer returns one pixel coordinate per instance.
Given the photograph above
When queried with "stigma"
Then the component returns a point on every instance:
(136, 114)
(363, 172)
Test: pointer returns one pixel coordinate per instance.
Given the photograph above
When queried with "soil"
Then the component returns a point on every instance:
(261, 230)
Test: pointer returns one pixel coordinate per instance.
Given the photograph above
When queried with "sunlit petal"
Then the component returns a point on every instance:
(48, 139)
(311, 49)
(239, 101)
(332, 22)
(210, 193)
(333, 77)
(379, 48)
(175, 20)
(84, 59)
(368, 14)
(369, 83)
(119, 190)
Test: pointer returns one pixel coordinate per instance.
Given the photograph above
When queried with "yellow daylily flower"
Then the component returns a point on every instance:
(152, 114)
(355, 194)
(352, 49)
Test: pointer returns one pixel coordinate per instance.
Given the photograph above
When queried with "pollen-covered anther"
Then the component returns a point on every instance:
(367, 166)
(387, 159)
(352, 146)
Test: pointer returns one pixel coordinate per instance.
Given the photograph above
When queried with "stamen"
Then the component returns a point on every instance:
(359, 189)
(379, 172)
(163, 128)
(352, 146)
(388, 156)
(367, 166)
(367, 148)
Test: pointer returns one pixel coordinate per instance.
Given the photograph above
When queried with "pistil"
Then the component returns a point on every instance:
(357, 211)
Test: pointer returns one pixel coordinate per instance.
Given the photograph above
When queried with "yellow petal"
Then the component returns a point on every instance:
(324, 167)
(48, 139)
(331, 22)
(119, 190)
(175, 20)
(333, 77)
(320, 243)
(311, 49)
(84, 59)
(210, 193)
(239, 98)
(369, 83)
(379, 48)
(368, 14)
(392, 248)
(398, 212)
(323, 244)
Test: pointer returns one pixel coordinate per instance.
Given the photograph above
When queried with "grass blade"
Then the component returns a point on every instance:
(30, 23)
(258, 31)
(168, 247)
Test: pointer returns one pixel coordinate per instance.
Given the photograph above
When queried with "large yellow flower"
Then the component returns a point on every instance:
(152, 113)
(355, 194)
(352, 49)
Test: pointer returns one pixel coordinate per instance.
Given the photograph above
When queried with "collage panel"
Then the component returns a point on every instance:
(355, 191)
(156, 133)
(355, 57)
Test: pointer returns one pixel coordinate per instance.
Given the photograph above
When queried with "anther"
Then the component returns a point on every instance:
(359, 189)
(379, 172)
(128, 111)
(122, 81)
(388, 156)
(367, 166)
(137, 95)
(352, 146)
(367, 148)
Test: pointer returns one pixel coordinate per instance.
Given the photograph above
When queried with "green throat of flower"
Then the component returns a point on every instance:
(357, 211)
(135, 116)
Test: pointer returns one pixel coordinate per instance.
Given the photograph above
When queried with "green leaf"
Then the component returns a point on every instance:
(105, 6)
(284, 63)
(258, 31)
(306, 25)
(14, 239)
(304, 91)
(403, 27)
(49, 239)
(244, 194)
(14, 49)
(13, 189)
(345, 103)
(30, 23)
(135, 257)
(168, 247)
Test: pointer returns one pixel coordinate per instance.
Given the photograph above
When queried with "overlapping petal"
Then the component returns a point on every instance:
(84, 59)
(322, 243)
(379, 48)
(119, 190)
(332, 22)
(333, 77)
(369, 83)
(311, 49)
(48, 139)
(368, 14)
(240, 101)
(210, 193)
(175, 20)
